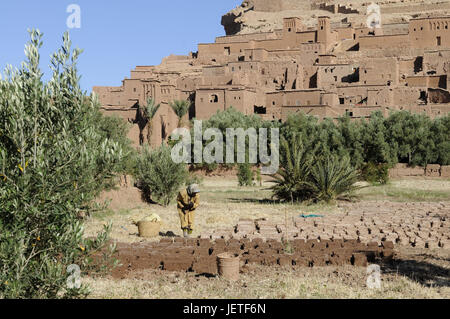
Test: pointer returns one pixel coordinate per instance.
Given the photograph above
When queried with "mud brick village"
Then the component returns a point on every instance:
(364, 177)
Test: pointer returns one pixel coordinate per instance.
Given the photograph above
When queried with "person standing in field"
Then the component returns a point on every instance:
(187, 202)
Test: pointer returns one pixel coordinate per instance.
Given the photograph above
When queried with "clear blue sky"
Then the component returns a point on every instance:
(115, 35)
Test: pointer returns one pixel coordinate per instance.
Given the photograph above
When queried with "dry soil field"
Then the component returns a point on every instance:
(412, 213)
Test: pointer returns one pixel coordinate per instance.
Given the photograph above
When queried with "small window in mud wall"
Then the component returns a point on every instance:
(227, 50)
(214, 98)
(259, 110)
(438, 41)
(134, 89)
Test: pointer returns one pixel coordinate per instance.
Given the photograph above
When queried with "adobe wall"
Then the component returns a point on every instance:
(427, 81)
(247, 37)
(436, 61)
(438, 110)
(109, 96)
(383, 97)
(345, 33)
(256, 55)
(429, 33)
(208, 102)
(356, 94)
(406, 96)
(408, 67)
(369, 72)
(317, 110)
(384, 41)
(432, 170)
(241, 100)
(330, 76)
(359, 111)
(293, 98)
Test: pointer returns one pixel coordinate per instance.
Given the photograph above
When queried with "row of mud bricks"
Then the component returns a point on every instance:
(200, 255)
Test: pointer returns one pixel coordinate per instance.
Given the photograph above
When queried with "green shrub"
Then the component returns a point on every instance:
(245, 174)
(116, 129)
(332, 178)
(194, 179)
(158, 176)
(375, 173)
(55, 158)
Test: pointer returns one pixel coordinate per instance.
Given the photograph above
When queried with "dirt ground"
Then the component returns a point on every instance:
(417, 272)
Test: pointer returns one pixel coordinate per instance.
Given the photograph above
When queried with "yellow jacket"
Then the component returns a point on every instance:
(184, 199)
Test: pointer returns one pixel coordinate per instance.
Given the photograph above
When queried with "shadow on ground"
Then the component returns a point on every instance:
(168, 234)
(423, 272)
(254, 201)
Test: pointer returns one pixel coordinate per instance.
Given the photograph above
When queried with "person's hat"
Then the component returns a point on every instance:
(193, 189)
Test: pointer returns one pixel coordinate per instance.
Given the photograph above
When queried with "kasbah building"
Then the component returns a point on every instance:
(325, 70)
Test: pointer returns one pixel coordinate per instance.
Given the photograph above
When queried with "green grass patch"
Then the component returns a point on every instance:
(393, 193)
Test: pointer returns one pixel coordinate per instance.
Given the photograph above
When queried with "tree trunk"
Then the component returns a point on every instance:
(149, 132)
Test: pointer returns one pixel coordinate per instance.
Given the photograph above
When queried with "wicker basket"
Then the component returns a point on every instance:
(148, 229)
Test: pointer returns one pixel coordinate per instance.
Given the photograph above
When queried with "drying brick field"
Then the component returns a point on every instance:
(403, 227)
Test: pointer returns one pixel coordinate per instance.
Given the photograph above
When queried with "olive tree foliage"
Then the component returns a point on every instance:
(231, 118)
(54, 159)
(440, 131)
(158, 176)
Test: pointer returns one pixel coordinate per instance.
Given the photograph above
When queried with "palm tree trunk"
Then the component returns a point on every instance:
(149, 132)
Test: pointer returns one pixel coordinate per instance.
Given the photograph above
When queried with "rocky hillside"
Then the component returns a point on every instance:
(266, 15)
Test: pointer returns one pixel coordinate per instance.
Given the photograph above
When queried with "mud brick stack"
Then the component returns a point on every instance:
(200, 255)
(267, 229)
(244, 227)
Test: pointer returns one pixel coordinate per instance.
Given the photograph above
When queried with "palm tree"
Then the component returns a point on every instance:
(148, 113)
(291, 181)
(332, 178)
(180, 107)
